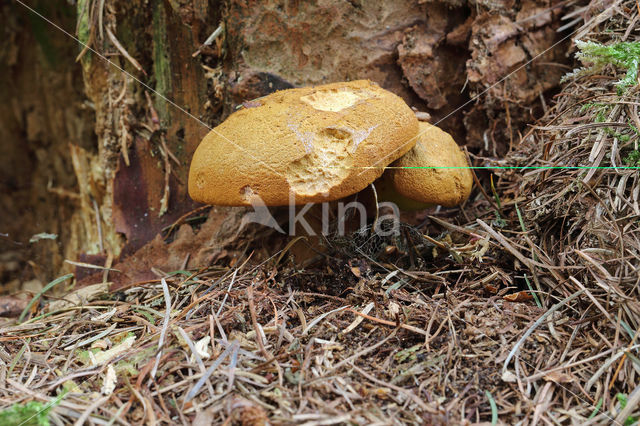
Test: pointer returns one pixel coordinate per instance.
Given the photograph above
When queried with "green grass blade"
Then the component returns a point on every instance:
(494, 408)
(43, 291)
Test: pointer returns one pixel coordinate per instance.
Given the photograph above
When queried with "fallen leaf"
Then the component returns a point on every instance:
(394, 309)
(202, 347)
(490, 288)
(110, 380)
(521, 296)
(102, 357)
(508, 376)
(558, 377)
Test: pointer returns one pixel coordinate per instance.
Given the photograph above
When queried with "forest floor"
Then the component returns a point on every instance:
(523, 306)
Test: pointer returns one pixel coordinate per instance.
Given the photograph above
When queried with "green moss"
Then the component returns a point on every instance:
(625, 55)
(84, 30)
(84, 357)
(51, 44)
(623, 399)
(602, 112)
(147, 315)
(127, 367)
(620, 136)
(161, 61)
(33, 413)
(632, 159)
(601, 109)
(586, 107)
(407, 354)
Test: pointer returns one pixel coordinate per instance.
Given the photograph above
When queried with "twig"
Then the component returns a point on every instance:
(385, 322)
(254, 320)
(214, 35)
(124, 52)
(164, 201)
(363, 352)
(98, 224)
(90, 266)
(224, 299)
(313, 323)
(526, 261)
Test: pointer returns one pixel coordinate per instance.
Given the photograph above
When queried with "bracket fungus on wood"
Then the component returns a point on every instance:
(303, 145)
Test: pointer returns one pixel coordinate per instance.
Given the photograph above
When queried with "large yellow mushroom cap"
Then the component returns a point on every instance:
(305, 145)
(434, 171)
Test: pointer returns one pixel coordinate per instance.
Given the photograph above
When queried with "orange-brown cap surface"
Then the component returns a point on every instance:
(311, 144)
(434, 171)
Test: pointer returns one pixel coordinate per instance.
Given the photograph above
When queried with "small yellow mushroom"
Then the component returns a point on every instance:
(434, 172)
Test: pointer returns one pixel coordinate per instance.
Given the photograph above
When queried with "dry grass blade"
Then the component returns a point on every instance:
(536, 324)
(44, 290)
(232, 348)
(165, 325)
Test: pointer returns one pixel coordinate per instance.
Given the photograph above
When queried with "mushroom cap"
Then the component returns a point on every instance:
(434, 171)
(314, 144)
(386, 192)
